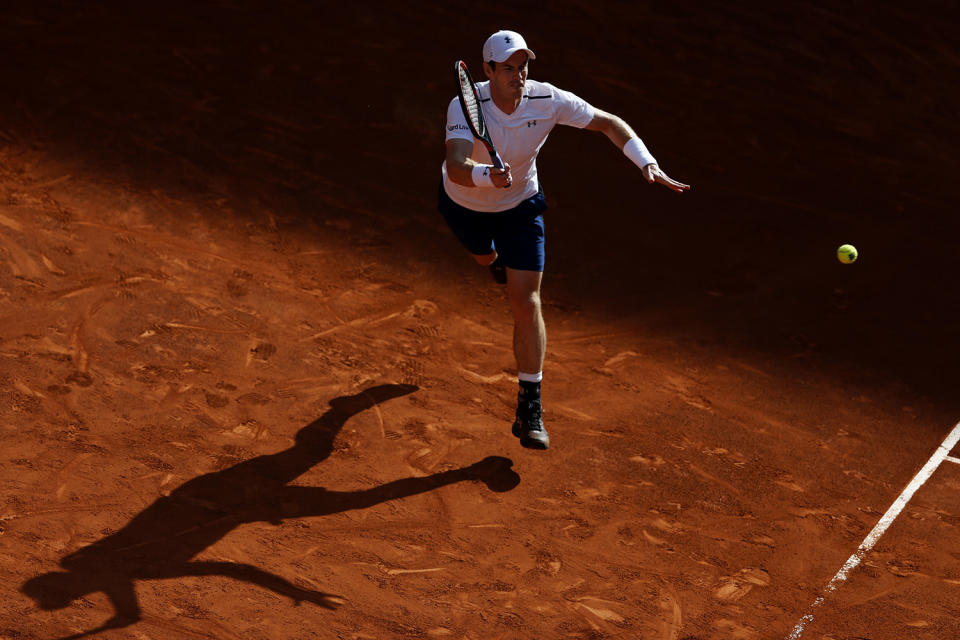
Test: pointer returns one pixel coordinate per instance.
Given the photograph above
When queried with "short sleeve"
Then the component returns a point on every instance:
(572, 110)
(457, 127)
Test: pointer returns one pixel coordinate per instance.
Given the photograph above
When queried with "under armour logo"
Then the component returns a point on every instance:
(486, 172)
(532, 123)
(508, 40)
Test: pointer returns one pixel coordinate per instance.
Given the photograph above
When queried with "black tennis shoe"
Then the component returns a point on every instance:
(499, 272)
(528, 425)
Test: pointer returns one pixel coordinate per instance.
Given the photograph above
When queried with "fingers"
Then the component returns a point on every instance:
(679, 187)
(653, 174)
(502, 178)
(667, 181)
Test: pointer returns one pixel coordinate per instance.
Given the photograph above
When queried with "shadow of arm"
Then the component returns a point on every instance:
(495, 472)
(265, 579)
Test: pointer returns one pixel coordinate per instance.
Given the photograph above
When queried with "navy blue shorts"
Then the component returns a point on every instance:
(516, 234)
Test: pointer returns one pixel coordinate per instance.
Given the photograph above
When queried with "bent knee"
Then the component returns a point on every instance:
(486, 260)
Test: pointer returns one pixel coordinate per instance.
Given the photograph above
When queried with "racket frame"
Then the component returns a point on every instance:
(479, 132)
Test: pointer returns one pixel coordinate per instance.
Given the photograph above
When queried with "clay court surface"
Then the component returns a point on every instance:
(251, 387)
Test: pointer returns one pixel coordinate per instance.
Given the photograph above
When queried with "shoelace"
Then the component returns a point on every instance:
(534, 416)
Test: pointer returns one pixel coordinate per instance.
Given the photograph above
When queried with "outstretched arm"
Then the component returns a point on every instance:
(629, 142)
(249, 573)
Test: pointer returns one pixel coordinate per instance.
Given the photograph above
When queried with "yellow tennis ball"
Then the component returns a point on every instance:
(847, 253)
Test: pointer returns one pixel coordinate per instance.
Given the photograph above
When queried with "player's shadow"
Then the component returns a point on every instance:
(161, 541)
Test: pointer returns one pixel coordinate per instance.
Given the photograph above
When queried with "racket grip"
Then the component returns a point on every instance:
(498, 163)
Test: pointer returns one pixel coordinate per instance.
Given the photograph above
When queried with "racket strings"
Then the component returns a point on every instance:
(470, 101)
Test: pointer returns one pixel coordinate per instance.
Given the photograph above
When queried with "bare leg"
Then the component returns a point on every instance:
(529, 331)
(529, 347)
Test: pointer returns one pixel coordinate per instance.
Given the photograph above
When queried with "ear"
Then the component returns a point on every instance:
(488, 70)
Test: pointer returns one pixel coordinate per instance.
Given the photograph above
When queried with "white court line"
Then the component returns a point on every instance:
(952, 459)
(942, 453)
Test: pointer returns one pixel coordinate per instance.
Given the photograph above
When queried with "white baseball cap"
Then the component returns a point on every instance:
(504, 44)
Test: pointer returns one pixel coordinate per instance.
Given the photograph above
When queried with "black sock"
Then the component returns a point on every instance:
(530, 390)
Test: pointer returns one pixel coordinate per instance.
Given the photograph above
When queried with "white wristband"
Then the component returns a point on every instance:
(638, 153)
(481, 175)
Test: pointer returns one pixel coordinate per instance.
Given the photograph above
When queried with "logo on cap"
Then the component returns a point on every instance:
(508, 40)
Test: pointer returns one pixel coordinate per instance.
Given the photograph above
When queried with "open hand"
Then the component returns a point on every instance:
(652, 173)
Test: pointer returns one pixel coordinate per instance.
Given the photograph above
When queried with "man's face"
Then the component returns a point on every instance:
(510, 76)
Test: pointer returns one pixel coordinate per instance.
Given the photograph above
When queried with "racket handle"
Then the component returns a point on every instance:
(498, 163)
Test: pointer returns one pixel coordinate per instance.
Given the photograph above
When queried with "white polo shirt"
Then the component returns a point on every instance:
(517, 136)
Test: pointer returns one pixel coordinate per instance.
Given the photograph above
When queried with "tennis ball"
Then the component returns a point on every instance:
(847, 253)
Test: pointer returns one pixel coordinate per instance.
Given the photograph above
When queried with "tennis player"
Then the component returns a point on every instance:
(498, 214)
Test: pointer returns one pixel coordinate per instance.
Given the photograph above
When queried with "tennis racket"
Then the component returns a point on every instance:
(470, 103)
